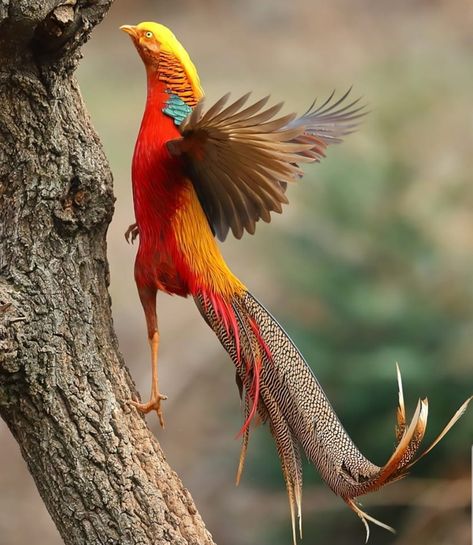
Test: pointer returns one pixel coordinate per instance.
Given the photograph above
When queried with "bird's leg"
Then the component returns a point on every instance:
(131, 233)
(154, 403)
(148, 300)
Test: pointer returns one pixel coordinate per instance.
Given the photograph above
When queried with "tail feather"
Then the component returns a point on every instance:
(252, 362)
(401, 410)
(366, 519)
(289, 454)
(244, 442)
(460, 412)
(278, 385)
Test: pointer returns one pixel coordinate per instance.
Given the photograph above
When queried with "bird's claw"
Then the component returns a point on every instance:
(131, 233)
(154, 404)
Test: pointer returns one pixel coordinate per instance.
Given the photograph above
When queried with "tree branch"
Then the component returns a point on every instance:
(63, 384)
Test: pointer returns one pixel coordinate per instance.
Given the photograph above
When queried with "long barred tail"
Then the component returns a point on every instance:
(277, 384)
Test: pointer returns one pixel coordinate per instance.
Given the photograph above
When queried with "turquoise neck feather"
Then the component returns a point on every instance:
(176, 108)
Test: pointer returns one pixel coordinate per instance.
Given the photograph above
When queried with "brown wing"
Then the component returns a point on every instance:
(328, 123)
(240, 157)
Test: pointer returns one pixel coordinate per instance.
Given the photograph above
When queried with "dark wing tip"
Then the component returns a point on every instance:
(333, 118)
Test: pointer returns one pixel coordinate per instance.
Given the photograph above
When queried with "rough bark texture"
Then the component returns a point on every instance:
(63, 384)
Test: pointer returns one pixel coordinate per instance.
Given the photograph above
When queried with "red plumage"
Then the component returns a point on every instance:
(157, 193)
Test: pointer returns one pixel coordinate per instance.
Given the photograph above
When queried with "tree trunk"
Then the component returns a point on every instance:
(63, 385)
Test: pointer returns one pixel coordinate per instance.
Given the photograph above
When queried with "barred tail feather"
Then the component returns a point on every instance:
(290, 456)
(253, 365)
(277, 385)
(244, 442)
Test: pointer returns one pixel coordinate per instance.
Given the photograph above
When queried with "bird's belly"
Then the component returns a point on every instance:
(157, 270)
(169, 281)
(178, 252)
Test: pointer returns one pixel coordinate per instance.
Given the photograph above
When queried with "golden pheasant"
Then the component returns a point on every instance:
(197, 174)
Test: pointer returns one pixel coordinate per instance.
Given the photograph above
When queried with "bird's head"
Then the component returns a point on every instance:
(152, 40)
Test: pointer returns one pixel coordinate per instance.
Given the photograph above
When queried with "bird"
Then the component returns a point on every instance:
(200, 173)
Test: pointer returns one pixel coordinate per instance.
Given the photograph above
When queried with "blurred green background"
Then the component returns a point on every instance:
(371, 264)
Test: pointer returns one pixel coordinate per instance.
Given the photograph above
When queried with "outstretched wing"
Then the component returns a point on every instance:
(240, 158)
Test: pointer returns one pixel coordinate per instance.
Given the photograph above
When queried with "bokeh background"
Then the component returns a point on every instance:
(371, 264)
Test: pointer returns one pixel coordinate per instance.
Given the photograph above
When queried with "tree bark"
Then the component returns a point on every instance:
(63, 384)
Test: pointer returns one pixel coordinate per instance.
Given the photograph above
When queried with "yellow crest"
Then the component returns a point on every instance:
(170, 44)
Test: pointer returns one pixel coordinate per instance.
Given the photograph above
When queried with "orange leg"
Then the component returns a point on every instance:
(148, 300)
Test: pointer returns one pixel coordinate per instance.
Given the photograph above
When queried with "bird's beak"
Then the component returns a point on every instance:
(131, 30)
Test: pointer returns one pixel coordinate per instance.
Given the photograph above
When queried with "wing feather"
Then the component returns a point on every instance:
(241, 157)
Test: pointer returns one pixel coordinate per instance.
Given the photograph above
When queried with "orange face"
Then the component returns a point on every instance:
(145, 42)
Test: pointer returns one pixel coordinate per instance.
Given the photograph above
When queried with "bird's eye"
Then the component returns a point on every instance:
(148, 34)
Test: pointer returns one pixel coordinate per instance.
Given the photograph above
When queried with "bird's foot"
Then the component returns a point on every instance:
(131, 233)
(154, 404)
